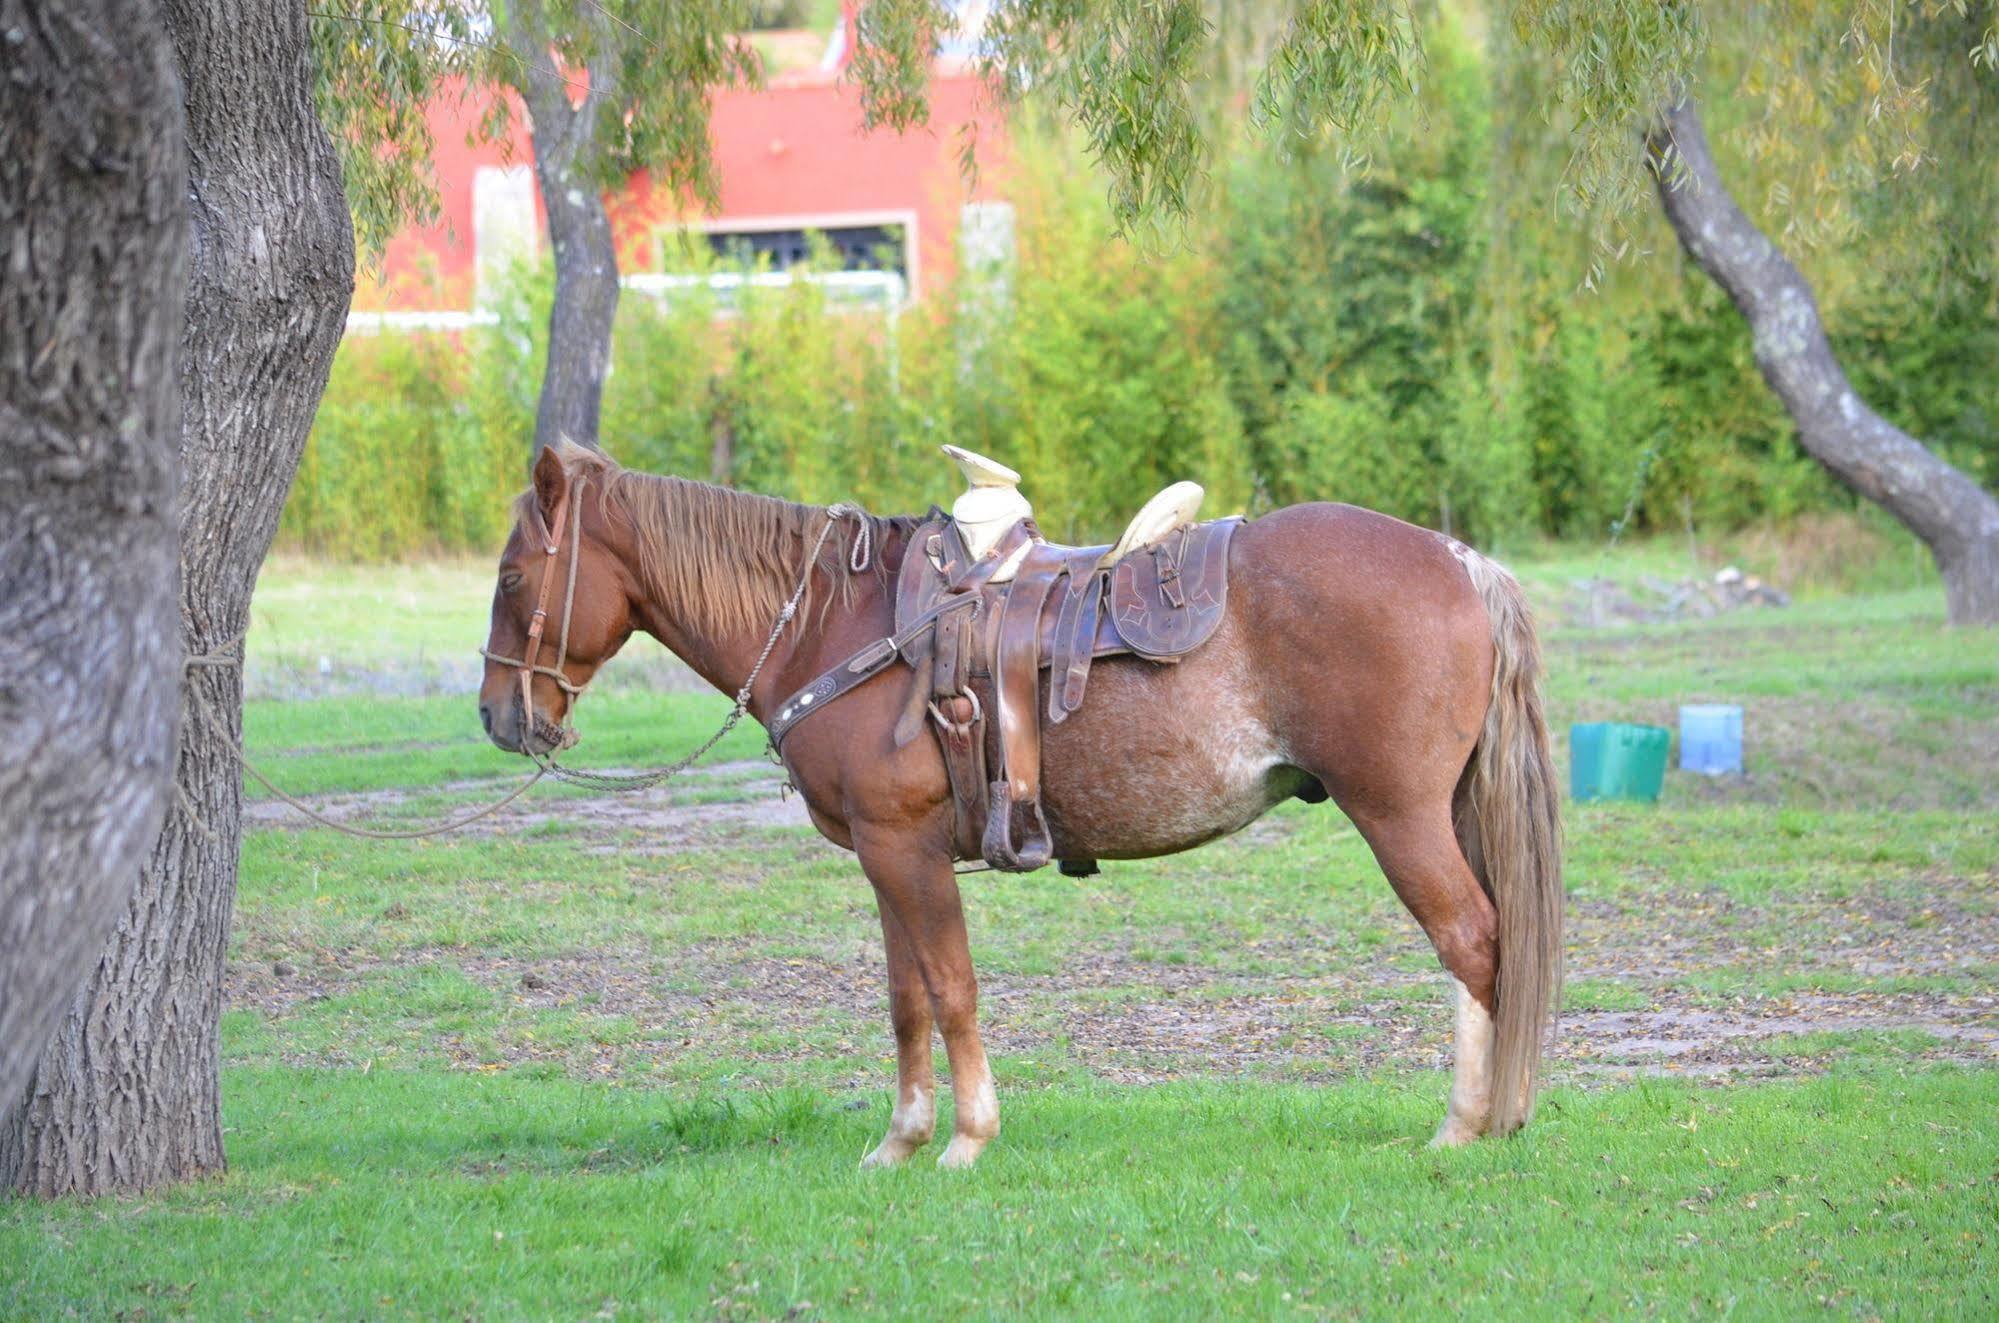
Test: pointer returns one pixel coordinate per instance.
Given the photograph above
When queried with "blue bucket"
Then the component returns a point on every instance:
(1711, 738)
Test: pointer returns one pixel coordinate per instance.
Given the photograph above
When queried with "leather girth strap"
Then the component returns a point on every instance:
(1017, 837)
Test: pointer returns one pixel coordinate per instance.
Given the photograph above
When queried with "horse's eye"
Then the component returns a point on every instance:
(509, 581)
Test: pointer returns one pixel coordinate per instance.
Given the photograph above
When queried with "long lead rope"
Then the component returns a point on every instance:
(212, 720)
(228, 655)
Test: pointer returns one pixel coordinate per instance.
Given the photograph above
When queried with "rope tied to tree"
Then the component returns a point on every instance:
(228, 655)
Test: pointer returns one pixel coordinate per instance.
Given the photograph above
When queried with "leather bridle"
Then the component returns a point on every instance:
(526, 664)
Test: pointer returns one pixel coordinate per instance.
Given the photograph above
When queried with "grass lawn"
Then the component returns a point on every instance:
(619, 1057)
(417, 1194)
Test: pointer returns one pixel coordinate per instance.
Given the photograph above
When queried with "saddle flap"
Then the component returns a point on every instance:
(917, 587)
(918, 583)
(1166, 600)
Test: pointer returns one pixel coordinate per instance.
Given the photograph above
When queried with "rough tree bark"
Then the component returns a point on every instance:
(93, 246)
(579, 230)
(1956, 518)
(126, 1095)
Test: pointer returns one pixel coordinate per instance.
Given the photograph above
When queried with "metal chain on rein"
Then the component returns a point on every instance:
(858, 561)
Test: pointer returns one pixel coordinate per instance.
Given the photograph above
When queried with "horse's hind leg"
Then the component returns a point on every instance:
(1420, 854)
(914, 1118)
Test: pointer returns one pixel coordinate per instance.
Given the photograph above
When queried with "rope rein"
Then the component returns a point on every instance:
(215, 723)
(228, 655)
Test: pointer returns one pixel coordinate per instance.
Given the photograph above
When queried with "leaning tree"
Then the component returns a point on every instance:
(1873, 118)
(1904, 95)
(1956, 518)
(93, 231)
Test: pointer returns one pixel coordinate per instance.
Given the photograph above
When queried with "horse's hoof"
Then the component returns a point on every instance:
(1454, 1133)
(961, 1152)
(888, 1153)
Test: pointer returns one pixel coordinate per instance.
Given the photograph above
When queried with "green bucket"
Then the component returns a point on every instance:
(1615, 760)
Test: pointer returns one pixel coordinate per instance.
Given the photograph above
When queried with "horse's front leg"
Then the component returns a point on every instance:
(914, 1117)
(916, 888)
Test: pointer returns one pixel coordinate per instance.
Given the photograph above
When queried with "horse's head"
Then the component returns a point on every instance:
(561, 608)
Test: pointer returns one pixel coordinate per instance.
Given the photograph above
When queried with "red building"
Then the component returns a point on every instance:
(790, 158)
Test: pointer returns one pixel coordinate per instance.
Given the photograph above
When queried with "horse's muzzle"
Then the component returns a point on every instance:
(504, 727)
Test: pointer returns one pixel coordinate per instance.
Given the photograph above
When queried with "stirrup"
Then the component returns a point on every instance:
(999, 848)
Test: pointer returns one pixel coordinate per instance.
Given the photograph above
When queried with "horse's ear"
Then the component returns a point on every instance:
(551, 483)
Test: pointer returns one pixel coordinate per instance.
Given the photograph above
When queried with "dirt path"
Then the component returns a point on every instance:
(676, 816)
(1665, 982)
(1137, 1021)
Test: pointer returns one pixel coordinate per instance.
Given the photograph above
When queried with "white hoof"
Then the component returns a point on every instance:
(961, 1152)
(886, 1154)
(894, 1151)
(1455, 1132)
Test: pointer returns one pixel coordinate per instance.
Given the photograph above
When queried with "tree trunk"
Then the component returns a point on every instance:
(586, 305)
(126, 1095)
(93, 235)
(722, 433)
(1956, 518)
(579, 230)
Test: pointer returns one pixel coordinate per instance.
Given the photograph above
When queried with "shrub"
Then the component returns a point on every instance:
(1350, 307)
(1102, 381)
(399, 462)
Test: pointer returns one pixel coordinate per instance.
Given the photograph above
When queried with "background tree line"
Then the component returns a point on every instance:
(1392, 333)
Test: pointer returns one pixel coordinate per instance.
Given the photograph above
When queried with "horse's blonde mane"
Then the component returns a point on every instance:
(722, 560)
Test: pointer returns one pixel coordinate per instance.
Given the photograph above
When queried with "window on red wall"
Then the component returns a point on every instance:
(854, 247)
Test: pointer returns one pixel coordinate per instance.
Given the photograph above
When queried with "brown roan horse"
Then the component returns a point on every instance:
(1360, 658)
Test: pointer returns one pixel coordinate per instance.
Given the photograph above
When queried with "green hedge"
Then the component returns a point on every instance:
(401, 459)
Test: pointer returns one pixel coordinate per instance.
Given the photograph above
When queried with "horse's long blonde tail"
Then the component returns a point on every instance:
(1509, 819)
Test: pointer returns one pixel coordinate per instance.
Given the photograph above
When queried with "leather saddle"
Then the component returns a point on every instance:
(978, 650)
